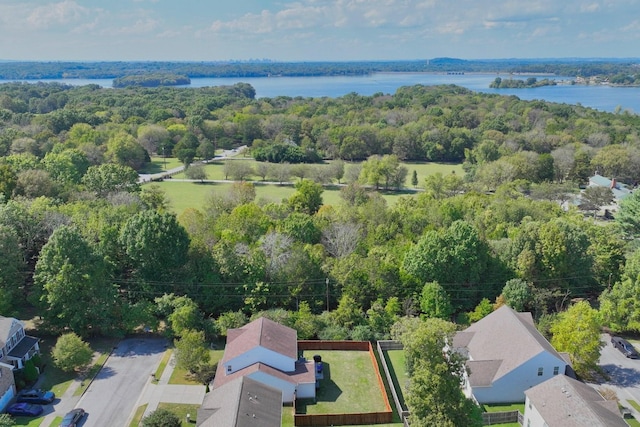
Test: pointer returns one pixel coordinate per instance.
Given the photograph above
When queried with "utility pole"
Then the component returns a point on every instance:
(327, 283)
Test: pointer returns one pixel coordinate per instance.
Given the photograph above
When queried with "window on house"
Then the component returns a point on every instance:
(556, 370)
(228, 369)
(540, 371)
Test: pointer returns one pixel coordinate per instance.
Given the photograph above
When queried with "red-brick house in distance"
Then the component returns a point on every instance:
(267, 352)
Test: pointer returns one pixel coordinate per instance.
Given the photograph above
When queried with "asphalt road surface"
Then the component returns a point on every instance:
(111, 397)
(624, 373)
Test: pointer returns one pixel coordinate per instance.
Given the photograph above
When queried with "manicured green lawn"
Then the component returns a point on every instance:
(163, 363)
(349, 385)
(27, 421)
(137, 417)
(181, 410)
(634, 404)
(181, 376)
(504, 407)
(397, 368)
(158, 164)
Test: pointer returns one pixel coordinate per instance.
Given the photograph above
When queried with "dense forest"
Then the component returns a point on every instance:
(625, 71)
(97, 253)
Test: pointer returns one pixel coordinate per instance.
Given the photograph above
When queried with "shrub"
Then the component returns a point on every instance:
(161, 418)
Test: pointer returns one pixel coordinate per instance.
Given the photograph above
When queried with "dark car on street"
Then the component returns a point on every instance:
(625, 347)
(24, 410)
(40, 397)
(72, 418)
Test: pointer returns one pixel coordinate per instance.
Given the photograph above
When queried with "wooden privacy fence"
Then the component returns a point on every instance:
(489, 418)
(365, 418)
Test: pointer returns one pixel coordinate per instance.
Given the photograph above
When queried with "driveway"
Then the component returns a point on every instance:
(111, 397)
(624, 373)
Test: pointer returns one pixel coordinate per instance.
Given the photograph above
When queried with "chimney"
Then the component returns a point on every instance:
(614, 184)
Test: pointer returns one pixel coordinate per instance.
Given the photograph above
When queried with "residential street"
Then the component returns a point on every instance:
(624, 373)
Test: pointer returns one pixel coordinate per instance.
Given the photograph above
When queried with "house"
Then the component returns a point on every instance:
(565, 402)
(15, 346)
(506, 356)
(7, 385)
(620, 191)
(266, 351)
(242, 402)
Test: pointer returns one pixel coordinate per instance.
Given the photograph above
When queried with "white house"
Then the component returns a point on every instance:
(506, 356)
(15, 346)
(7, 385)
(239, 403)
(565, 402)
(267, 352)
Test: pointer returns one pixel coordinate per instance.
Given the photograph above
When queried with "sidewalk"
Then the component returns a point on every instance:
(162, 391)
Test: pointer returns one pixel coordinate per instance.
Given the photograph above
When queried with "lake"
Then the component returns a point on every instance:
(601, 97)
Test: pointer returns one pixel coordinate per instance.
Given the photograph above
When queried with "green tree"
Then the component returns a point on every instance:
(628, 216)
(71, 353)
(12, 264)
(156, 245)
(71, 281)
(517, 294)
(161, 418)
(196, 173)
(414, 179)
(434, 301)
(577, 332)
(483, 309)
(435, 396)
(185, 317)
(307, 198)
(124, 150)
(593, 198)
(191, 350)
(8, 180)
(6, 420)
(186, 148)
(620, 305)
(110, 178)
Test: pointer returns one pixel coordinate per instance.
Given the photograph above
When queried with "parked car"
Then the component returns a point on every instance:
(24, 410)
(72, 418)
(625, 347)
(36, 396)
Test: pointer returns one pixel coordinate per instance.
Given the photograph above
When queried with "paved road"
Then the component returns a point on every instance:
(113, 394)
(624, 373)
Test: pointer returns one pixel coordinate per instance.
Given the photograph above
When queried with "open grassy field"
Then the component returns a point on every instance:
(397, 368)
(183, 195)
(349, 385)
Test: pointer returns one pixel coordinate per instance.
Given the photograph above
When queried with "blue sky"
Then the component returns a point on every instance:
(316, 30)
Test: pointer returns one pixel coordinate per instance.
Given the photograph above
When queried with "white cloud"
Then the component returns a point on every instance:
(61, 13)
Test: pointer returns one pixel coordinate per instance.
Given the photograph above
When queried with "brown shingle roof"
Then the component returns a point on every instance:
(303, 374)
(565, 402)
(264, 333)
(504, 336)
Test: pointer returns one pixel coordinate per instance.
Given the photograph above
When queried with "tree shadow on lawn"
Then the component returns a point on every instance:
(625, 377)
(329, 391)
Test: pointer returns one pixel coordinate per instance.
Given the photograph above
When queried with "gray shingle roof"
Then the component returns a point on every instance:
(8, 327)
(241, 403)
(504, 336)
(565, 402)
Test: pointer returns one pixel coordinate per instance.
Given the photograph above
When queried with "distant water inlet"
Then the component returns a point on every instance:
(600, 97)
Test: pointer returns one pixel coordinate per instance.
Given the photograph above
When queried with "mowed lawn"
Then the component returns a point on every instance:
(397, 367)
(350, 385)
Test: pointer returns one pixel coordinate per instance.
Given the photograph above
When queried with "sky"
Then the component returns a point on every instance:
(316, 30)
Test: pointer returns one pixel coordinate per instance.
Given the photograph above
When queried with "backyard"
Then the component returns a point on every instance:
(350, 385)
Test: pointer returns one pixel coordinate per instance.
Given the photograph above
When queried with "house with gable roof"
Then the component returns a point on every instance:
(506, 356)
(565, 402)
(620, 191)
(243, 402)
(266, 351)
(7, 385)
(15, 346)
